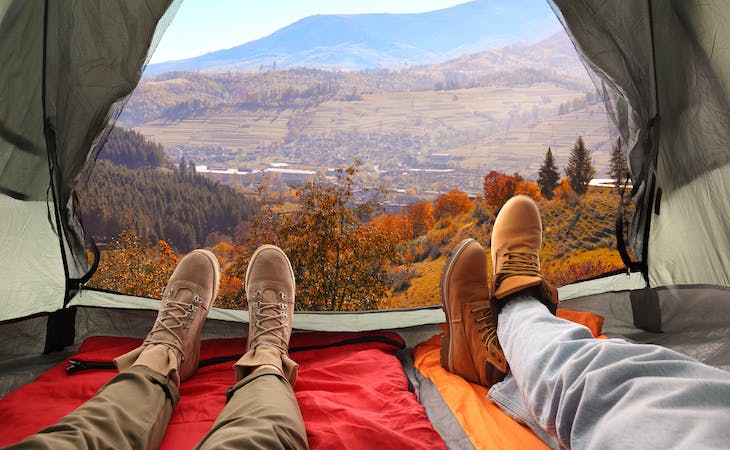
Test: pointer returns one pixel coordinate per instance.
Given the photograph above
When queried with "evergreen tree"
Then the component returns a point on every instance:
(182, 167)
(580, 171)
(131, 149)
(181, 209)
(548, 176)
(619, 170)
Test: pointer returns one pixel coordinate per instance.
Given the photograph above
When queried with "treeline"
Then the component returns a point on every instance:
(579, 103)
(262, 98)
(521, 77)
(179, 95)
(132, 185)
(389, 261)
(180, 208)
(130, 149)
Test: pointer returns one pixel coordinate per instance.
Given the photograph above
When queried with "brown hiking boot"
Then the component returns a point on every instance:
(270, 290)
(470, 347)
(516, 243)
(172, 347)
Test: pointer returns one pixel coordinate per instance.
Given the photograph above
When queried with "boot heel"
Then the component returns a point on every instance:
(445, 343)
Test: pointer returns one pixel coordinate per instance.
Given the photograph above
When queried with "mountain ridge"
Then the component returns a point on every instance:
(552, 60)
(361, 41)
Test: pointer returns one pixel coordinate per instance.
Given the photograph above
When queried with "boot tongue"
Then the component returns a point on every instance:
(271, 320)
(173, 319)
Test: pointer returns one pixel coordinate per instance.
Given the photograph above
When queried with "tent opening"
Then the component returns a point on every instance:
(365, 161)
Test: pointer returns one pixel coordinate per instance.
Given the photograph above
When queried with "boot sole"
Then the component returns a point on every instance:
(446, 350)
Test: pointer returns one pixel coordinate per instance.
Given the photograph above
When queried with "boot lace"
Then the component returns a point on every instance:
(268, 318)
(174, 317)
(518, 263)
(486, 327)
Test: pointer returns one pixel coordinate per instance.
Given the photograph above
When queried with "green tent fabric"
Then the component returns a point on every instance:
(66, 64)
(666, 65)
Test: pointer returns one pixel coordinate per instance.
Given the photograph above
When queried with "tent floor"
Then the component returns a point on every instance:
(695, 320)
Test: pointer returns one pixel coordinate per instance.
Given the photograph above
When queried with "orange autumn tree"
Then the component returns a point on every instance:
(452, 204)
(499, 187)
(421, 216)
(341, 263)
(231, 293)
(130, 267)
(529, 188)
(397, 225)
(565, 192)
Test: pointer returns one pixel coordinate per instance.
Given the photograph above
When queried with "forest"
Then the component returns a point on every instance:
(347, 254)
(132, 185)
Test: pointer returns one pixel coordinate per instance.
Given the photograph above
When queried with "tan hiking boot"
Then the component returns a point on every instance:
(172, 347)
(270, 289)
(470, 347)
(516, 243)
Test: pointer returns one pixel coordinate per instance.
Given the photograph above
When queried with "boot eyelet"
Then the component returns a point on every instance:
(282, 295)
(282, 306)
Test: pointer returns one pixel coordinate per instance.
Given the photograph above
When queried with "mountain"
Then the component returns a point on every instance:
(360, 41)
(178, 95)
(552, 54)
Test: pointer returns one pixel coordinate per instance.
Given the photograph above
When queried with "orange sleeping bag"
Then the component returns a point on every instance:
(483, 422)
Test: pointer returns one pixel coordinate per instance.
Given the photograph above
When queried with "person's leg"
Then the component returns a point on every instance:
(262, 411)
(134, 408)
(130, 411)
(470, 347)
(594, 393)
(585, 392)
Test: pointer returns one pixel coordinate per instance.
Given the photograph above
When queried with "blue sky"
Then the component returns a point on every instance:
(202, 26)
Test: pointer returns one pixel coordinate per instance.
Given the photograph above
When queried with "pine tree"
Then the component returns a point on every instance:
(548, 176)
(580, 171)
(619, 168)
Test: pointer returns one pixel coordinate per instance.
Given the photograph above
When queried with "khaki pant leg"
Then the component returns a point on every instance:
(131, 411)
(261, 413)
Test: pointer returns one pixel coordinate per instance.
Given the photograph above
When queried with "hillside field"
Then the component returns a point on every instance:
(489, 128)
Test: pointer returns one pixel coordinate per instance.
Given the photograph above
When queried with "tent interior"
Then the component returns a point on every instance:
(662, 66)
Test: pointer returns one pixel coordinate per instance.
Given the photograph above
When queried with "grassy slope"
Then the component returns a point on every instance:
(578, 243)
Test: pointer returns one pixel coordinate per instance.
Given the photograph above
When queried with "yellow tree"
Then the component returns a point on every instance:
(131, 267)
(340, 262)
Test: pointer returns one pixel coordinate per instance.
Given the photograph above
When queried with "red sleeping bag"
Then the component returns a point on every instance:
(351, 389)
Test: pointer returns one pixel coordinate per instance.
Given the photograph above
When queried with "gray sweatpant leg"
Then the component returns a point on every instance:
(594, 393)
